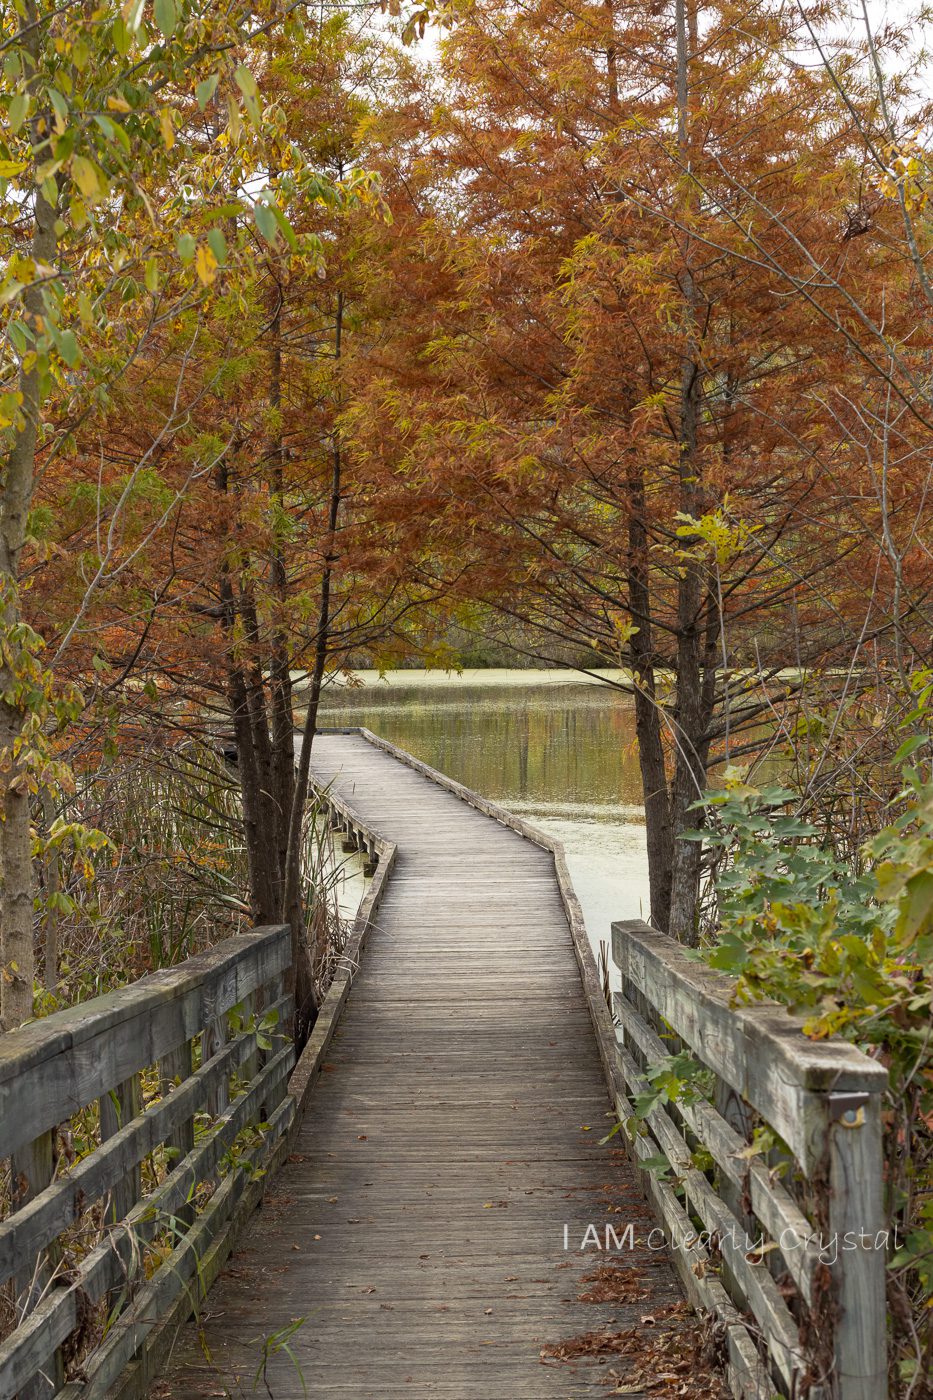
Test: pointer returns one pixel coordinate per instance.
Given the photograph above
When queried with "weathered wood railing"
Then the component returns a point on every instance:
(164, 1083)
(379, 859)
(137, 1130)
(787, 1248)
(356, 837)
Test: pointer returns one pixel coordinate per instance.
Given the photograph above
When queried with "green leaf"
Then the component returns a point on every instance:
(186, 245)
(122, 39)
(205, 90)
(133, 14)
(165, 16)
(152, 275)
(58, 102)
(917, 910)
(611, 1133)
(17, 110)
(60, 903)
(65, 145)
(266, 222)
(285, 227)
(68, 348)
(245, 82)
(19, 336)
(218, 245)
(659, 1167)
(219, 211)
(910, 746)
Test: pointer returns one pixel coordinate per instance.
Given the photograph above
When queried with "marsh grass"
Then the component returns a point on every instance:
(174, 880)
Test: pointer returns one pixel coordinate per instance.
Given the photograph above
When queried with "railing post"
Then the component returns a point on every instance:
(176, 1067)
(32, 1169)
(117, 1108)
(250, 1067)
(214, 1038)
(856, 1225)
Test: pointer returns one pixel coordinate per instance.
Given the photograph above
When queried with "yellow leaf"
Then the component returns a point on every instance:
(118, 104)
(233, 120)
(85, 175)
(205, 264)
(165, 126)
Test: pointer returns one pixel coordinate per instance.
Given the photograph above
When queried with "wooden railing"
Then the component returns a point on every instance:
(356, 837)
(378, 855)
(785, 1245)
(161, 1087)
(137, 1131)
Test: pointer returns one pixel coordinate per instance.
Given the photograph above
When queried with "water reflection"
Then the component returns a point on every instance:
(555, 749)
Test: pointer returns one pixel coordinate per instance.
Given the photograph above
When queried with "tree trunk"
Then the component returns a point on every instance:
(280, 681)
(647, 712)
(17, 953)
(256, 833)
(263, 753)
(689, 781)
(259, 852)
(293, 904)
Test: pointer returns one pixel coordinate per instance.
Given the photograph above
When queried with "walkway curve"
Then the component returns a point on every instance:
(451, 1146)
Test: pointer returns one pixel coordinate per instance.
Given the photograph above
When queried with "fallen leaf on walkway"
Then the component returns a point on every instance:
(681, 1360)
(614, 1283)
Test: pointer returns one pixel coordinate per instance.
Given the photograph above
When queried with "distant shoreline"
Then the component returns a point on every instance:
(485, 675)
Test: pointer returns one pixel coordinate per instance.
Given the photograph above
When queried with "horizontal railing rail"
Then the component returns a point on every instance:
(136, 1126)
(779, 1234)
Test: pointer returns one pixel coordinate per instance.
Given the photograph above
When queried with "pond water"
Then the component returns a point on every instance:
(553, 746)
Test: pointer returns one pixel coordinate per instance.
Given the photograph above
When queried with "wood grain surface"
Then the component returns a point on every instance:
(418, 1226)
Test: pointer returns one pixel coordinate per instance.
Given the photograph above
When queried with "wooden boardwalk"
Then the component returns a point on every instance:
(418, 1227)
